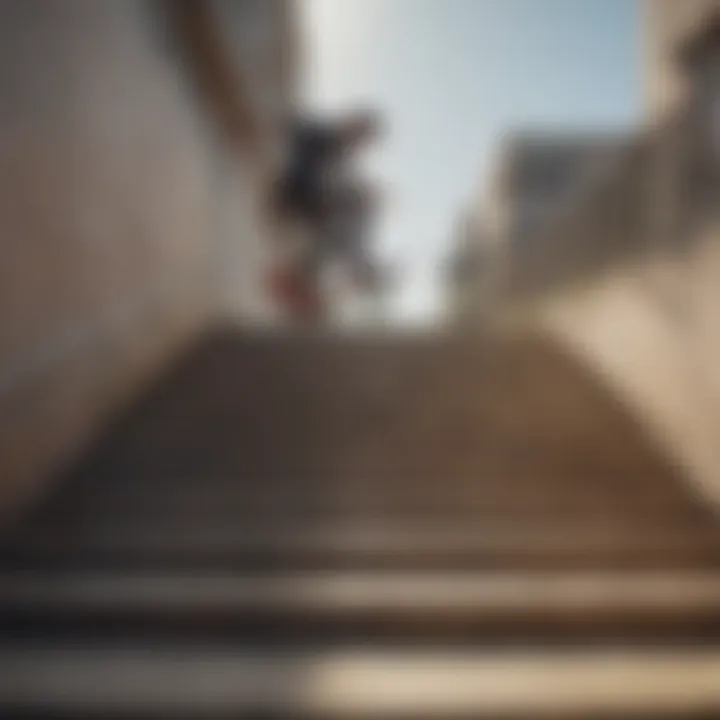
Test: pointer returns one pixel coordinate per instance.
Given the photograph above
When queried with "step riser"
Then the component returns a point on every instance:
(457, 606)
(355, 684)
(193, 559)
(378, 629)
(176, 515)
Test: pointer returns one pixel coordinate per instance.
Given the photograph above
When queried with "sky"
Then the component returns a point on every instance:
(451, 77)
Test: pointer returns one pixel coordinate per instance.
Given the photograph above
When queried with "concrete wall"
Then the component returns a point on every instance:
(126, 216)
(661, 363)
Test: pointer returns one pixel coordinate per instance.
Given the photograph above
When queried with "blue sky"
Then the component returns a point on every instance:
(452, 76)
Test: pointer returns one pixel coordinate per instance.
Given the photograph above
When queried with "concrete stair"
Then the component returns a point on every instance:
(367, 527)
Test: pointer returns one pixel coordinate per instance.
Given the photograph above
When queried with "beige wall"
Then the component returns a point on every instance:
(659, 359)
(125, 216)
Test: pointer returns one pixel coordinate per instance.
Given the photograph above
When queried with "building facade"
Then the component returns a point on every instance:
(666, 25)
(536, 175)
(539, 174)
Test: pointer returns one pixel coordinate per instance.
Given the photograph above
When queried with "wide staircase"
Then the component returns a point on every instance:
(386, 526)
